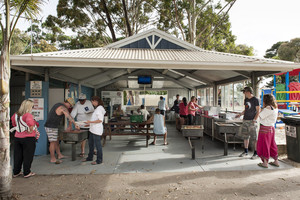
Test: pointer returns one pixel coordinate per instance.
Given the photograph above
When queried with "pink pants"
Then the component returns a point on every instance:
(266, 146)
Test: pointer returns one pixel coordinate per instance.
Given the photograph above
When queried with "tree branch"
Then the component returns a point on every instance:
(126, 18)
(232, 3)
(177, 20)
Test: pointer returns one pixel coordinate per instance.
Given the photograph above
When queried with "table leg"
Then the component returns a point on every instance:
(225, 145)
(104, 140)
(73, 151)
(147, 141)
(192, 148)
(202, 143)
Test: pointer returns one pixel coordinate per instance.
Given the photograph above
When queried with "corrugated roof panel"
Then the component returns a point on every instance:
(157, 55)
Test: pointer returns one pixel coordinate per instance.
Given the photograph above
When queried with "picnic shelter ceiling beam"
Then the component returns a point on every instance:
(202, 80)
(243, 73)
(230, 80)
(125, 76)
(98, 75)
(154, 72)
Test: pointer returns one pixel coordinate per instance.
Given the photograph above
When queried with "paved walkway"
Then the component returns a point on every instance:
(128, 154)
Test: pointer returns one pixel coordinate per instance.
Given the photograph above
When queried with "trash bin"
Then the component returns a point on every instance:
(292, 131)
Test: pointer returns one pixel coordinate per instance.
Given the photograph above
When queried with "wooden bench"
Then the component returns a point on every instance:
(125, 127)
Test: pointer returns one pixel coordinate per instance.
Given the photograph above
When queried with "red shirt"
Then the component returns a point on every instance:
(183, 110)
(29, 120)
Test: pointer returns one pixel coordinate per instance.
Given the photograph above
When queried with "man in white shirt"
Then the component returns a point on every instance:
(83, 111)
(162, 106)
(145, 113)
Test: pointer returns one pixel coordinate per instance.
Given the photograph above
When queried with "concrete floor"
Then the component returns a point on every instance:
(128, 154)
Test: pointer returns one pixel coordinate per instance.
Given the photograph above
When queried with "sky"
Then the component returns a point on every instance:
(256, 23)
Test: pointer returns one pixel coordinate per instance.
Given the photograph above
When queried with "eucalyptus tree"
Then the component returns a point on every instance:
(273, 51)
(204, 23)
(290, 51)
(108, 18)
(11, 11)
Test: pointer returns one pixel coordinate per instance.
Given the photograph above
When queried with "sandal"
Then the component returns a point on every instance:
(85, 160)
(56, 162)
(95, 163)
(166, 143)
(16, 175)
(261, 165)
(152, 143)
(81, 155)
(29, 175)
(273, 164)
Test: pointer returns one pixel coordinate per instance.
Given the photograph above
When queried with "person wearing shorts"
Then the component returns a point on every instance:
(249, 127)
(162, 106)
(56, 114)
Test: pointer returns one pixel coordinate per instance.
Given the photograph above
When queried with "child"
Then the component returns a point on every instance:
(159, 126)
(266, 146)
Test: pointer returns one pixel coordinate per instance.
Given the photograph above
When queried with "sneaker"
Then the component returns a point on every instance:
(255, 156)
(243, 154)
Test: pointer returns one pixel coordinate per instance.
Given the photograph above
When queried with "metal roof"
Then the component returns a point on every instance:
(157, 55)
(99, 67)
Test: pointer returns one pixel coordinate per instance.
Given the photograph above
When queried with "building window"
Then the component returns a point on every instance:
(231, 97)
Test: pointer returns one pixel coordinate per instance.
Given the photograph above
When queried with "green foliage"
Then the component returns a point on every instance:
(19, 42)
(290, 51)
(212, 28)
(273, 51)
(243, 50)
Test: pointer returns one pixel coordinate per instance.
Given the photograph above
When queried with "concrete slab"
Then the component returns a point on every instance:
(128, 154)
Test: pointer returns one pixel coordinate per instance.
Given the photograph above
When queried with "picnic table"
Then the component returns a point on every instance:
(125, 127)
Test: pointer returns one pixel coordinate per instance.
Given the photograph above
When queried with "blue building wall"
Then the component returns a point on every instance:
(42, 144)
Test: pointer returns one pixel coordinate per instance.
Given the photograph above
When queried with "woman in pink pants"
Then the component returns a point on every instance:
(266, 146)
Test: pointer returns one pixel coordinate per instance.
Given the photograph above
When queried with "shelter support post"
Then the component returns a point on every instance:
(46, 74)
(215, 94)
(287, 82)
(79, 88)
(27, 76)
(274, 83)
(254, 83)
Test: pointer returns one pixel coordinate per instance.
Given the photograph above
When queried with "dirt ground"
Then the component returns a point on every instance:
(263, 184)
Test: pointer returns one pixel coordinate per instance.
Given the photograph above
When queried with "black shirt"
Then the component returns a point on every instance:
(53, 120)
(250, 108)
(176, 106)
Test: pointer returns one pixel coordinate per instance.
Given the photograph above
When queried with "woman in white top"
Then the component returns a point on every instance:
(159, 126)
(266, 146)
(96, 130)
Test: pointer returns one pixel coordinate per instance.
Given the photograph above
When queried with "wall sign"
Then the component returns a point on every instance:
(38, 108)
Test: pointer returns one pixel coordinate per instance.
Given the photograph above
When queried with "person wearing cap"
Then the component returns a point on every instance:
(82, 111)
(55, 116)
(249, 126)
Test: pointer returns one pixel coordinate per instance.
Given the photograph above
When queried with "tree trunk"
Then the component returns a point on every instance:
(126, 18)
(5, 172)
(110, 24)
